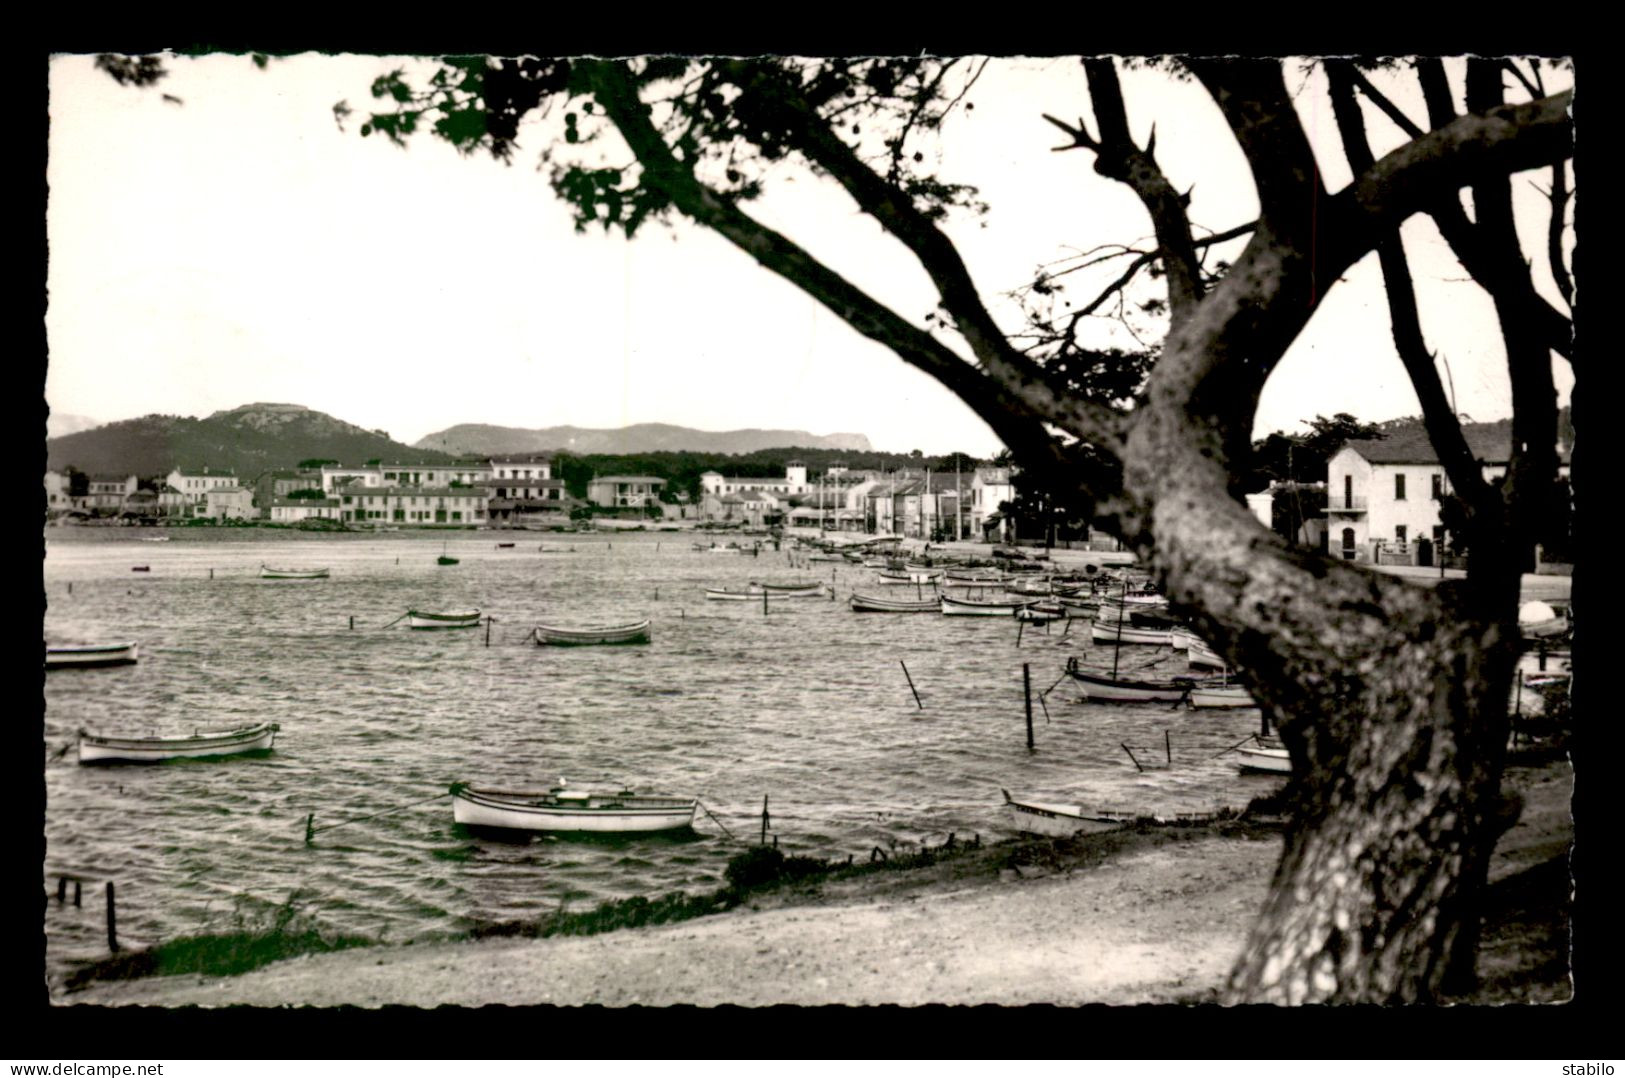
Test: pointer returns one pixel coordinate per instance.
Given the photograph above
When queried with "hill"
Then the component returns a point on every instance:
(246, 440)
(58, 424)
(480, 439)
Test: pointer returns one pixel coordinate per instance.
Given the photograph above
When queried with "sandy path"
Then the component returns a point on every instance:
(1150, 926)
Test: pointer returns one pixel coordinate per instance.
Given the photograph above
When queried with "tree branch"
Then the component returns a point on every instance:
(1017, 413)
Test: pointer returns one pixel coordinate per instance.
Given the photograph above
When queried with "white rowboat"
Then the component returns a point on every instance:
(1265, 755)
(268, 573)
(986, 608)
(876, 605)
(1060, 821)
(455, 619)
(100, 748)
(1221, 696)
(78, 656)
(565, 810)
(1126, 634)
(635, 633)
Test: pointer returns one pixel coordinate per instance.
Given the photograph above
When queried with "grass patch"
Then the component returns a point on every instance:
(285, 932)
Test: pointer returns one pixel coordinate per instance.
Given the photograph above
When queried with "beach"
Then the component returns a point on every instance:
(1156, 917)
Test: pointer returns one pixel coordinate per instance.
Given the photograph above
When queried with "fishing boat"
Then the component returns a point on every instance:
(445, 558)
(80, 656)
(104, 748)
(268, 573)
(1221, 696)
(1198, 653)
(755, 592)
(809, 589)
(504, 546)
(1265, 754)
(635, 633)
(155, 538)
(564, 810)
(1041, 613)
(452, 619)
(910, 576)
(874, 604)
(1098, 685)
(982, 607)
(1126, 634)
(1061, 821)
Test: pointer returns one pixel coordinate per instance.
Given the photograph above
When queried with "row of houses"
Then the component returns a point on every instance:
(514, 490)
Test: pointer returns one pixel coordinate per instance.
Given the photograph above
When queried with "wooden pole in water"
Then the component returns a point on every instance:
(1027, 692)
(352, 622)
(1168, 747)
(1130, 752)
(112, 921)
(911, 687)
(61, 889)
(764, 601)
(764, 819)
(488, 620)
(77, 884)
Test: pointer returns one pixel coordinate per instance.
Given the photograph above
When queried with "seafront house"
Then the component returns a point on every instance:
(625, 491)
(58, 496)
(297, 510)
(106, 494)
(522, 491)
(1383, 494)
(383, 506)
(991, 487)
(194, 487)
(228, 503)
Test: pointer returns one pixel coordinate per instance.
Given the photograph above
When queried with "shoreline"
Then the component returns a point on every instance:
(1142, 916)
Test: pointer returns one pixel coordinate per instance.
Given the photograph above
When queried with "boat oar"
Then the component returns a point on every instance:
(1232, 748)
(716, 821)
(397, 621)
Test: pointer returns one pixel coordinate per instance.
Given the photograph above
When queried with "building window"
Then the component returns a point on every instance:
(1399, 488)
(1438, 487)
(1399, 534)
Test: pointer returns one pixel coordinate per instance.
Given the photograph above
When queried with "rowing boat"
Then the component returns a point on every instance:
(102, 748)
(755, 593)
(983, 607)
(635, 633)
(1267, 755)
(1061, 821)
(564, 810)
(1099, 686)
(1126, 634)
(455, 619)
(268, 573)
(79, 656)
(804, 589)
(1221, 696)
(874, 604)
(910, 576)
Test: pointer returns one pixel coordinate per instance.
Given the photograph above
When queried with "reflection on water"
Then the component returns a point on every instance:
(807, 705)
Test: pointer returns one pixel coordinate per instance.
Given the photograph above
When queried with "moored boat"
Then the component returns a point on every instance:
(1061, 821)
(1103, 686)
(1265, 754)
(563, 810)
(1110, 633)
(1198, 653)
(636, 632)
(910, 576)
(107, 748)
(1221, 696)
(79, 656)
(874, 604)
(450, 619)
(803, 589)
(983, 607)
(269, 573)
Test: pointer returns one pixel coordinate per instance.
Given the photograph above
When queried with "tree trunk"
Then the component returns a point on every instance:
(1391, 698)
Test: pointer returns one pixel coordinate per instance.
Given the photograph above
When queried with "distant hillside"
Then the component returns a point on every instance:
(479, 439)
(246, 440)
(57, 424)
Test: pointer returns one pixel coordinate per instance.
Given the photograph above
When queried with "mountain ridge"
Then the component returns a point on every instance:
(470, 438)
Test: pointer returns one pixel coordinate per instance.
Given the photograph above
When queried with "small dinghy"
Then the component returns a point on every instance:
(1061, 821)
(874, 604)
(564, 810)
(1265, 754)
(453, 619)
(108, 749)
(635, 633)
(80, 656)
(269, 573)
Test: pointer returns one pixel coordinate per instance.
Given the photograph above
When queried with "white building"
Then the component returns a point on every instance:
(990, 488)
(294, 510)
(229, 503)
(411, 505)
(195, 486)
(1383, 494)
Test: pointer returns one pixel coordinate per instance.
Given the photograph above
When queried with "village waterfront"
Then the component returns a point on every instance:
(808, 706)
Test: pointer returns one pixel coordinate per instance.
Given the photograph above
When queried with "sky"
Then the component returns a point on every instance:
(218, 240)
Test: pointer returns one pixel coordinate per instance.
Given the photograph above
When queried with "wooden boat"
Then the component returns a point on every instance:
(1041, 613)
(140, 568)
(874, 604)
(1110, 633)
(635, 633)
(268, 573)
(808, 589)
(155, 538)
(910, 576)
(1267, 755)
(982, 607)
(504, 546)
(564, 810)
(1221, 696)
(444, 560)
(453, 619)
(80, 656)
(103, 748)
(1104, 687)
(1198, 653)
(1061, 821)
(755, 592)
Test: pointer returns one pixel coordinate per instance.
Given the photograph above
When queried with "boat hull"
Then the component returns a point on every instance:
(518, 810)
(1127, 634)
(79, 657)
(973, 608)
(1059, 821)
(635, 633)
(1265, 760)
(103, 749)
(1101, 687)
(874, 605)
(418, 619)
(268, 573)
(1221, 696)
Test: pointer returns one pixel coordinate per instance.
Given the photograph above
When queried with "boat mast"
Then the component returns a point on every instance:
(1117, 648)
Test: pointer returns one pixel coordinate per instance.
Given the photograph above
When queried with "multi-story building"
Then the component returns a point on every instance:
(194, 486)
(1383, 494)
(411, 505)
(990, 487)
(107, 493)
(228, 503)
(294, 510)
(625, 491)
